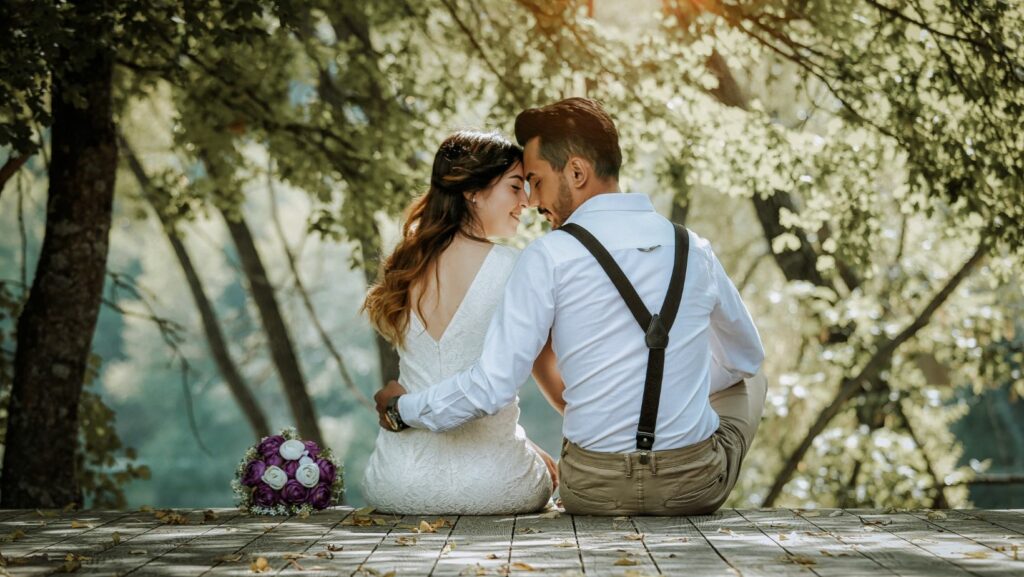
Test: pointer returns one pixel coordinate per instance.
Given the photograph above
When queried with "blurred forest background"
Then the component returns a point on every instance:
(856, 165)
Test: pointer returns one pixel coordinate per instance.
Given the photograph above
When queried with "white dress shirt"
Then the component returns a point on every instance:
(558, 286)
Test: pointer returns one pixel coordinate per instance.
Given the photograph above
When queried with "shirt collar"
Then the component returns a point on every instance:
(613, 201)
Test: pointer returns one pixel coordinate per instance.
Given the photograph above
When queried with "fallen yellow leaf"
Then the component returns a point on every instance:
(635, 537)
(523, 566)
(426, 527)
(625, 561)
(116, 538)
(260, 565)
(75, 524)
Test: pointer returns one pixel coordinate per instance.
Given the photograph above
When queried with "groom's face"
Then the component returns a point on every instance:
(549, 188)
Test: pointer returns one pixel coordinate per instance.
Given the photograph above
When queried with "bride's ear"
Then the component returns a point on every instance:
(470, 197)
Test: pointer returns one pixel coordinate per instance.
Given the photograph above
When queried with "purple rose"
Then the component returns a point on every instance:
(320, 496)
(275, 460)
(313, 448)
(270, 445)
(253, 472)
(290, 467)
(327, 471)
(264, 496)
(293, 492)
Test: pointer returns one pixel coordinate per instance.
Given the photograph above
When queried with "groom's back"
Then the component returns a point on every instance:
(600, 347)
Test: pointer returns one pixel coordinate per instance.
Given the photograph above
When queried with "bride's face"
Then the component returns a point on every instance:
(498, 208)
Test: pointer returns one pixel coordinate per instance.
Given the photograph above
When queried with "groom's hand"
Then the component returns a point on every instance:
(392, 389)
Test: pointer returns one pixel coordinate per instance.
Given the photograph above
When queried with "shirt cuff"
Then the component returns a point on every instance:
(410, 407)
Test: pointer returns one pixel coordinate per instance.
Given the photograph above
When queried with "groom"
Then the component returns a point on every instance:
(660, 406)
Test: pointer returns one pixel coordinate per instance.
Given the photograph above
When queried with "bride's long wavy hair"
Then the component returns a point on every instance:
(466, 162)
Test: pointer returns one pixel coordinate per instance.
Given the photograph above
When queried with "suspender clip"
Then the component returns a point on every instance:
(657, 336)
(644, 441)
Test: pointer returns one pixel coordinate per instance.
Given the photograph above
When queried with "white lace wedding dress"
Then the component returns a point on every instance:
(484, 467)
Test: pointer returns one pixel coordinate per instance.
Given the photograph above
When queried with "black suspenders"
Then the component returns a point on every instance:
(655, 326)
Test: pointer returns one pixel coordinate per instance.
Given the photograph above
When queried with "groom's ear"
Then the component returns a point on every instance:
(579, 172)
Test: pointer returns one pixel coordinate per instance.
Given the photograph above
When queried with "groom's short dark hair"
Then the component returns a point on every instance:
(574, 126)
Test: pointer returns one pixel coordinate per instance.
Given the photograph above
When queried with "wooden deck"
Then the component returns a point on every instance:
(779, 542)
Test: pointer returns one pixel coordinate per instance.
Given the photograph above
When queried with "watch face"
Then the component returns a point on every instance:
(392, 425)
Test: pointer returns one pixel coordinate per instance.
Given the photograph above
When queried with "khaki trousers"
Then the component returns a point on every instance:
(690, 480)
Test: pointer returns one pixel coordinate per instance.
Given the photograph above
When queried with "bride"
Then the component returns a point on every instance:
(434, 302)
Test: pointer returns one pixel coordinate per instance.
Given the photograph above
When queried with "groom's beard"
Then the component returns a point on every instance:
(562, 209)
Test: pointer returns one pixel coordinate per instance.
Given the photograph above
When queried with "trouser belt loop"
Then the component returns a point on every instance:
(629, 466)
(654, 463)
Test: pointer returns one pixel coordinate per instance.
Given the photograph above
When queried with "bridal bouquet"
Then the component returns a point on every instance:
(284, 475)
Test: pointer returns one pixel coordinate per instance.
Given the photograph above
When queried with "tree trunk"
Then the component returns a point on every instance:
(211, 327)
(281, 349)
(56, 327)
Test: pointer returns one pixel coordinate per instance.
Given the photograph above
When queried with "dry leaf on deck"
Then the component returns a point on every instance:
(635, 537)
(426, 528)
(491, 556)
(550, 515)
(625, 561)
(726, 531)
(75, 524)
(936, 515)
(977, 555)
(138, 552)
(836, 513)
(331, 547)
(406, 541)
(210, 515)
(529, 531)
(116, 538)
(15, 535)
(799, 560)
(259, 565)
(565, 543)
(523, 566)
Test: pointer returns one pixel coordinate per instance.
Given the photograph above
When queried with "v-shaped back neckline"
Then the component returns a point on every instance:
(458, 309)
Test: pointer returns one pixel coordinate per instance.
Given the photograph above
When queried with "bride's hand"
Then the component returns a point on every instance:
(550, 463)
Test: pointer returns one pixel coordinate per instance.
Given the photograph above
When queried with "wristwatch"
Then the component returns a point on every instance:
(393, 417)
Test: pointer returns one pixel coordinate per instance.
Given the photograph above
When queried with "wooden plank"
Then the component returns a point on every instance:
(408, 551)
(345, 547)
(544, 542)
(482, 545)
(139, 546)
(44, 533)
(745, 547)
(178, 550)
(608, 545)
(1010, 520)
(897, 555)
(678, 548)
(981, 532)
(826, 555)
(310, 549)
(972, 557)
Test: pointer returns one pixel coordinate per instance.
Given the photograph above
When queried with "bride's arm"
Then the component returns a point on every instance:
(549, 380)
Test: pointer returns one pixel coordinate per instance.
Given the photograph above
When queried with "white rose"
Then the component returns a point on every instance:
(306, 459)
(275, 477)
(308, 474)
(292, 450)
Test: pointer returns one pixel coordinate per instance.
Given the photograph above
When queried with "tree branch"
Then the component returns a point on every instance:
(875, 365)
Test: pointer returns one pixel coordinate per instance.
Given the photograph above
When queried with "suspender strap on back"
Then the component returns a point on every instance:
(656, 327)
